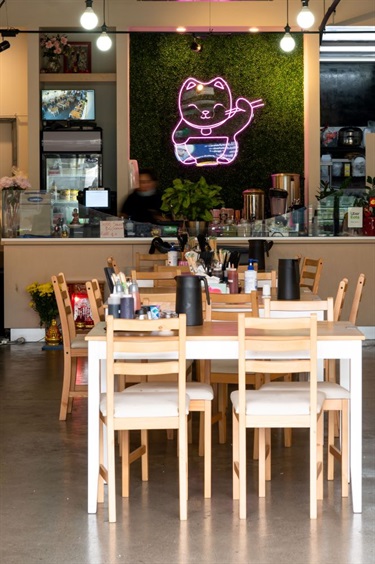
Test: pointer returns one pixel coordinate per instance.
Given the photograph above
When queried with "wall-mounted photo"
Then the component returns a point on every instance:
(79, 58)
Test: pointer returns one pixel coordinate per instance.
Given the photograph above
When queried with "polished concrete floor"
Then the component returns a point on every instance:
(43, 516)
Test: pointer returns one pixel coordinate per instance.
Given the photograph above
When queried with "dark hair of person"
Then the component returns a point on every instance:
(150, 172)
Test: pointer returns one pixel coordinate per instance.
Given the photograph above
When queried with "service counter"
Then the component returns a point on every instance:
(35, 260)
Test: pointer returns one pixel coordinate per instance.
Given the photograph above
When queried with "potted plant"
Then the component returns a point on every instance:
(367, 202)
(191, 201)
(43, 301)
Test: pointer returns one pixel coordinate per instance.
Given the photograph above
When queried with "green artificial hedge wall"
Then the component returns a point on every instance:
(255, 67)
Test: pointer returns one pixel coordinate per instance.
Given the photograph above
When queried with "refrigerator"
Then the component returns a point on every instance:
(71, 161)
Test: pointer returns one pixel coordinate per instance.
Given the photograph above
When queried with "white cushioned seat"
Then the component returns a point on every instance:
(144, 405)
(229, 366)
(195, 390)
(268, 403)
(330, 389)
(79, 342)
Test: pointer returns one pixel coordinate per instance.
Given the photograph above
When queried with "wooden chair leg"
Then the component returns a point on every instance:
(256, 445)
(222, 409)
(183, 471)
(235, 461)
(201, 434)
(331, 442)
(65, 387)
(313, 475)
(144, 457)
(268, 455)
(242, 469)
(320, 443)
(111, 476)
(125, 465)
(73, 376)
(262, 463)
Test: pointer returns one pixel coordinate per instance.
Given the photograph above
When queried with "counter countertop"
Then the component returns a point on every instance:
(147, 240)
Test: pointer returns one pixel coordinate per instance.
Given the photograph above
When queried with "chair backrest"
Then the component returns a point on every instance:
(357, 299)
(278, 346)
(95, 300)
(65, 308)
(311, 271)
(298, 308)
(155, 279)
(147, 261)
(340, 298)
(262, 277)
(111, 262)
(225, 307)
(162, 338)
(168, 268)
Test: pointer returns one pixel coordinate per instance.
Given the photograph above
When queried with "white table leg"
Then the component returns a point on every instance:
(93, 427)
(355, 421)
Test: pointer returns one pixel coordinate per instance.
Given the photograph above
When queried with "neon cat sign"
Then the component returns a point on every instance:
(206, 134)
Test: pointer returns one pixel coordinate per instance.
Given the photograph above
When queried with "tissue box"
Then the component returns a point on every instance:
(217, 288)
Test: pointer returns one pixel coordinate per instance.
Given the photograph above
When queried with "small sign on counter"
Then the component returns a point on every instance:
(355, 217)
(109, 229)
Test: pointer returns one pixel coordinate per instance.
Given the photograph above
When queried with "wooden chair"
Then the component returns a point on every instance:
(112, 263)
(95, 300)
(155, 279)
(124, 411)
(167, 268)
(311, 271)
(259, 409)
(74, 347)
(357, 299)
(337, 398)
(147, 261)
(263, 277)
(225, 372)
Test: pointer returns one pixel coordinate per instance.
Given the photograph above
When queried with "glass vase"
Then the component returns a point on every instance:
(11, 212)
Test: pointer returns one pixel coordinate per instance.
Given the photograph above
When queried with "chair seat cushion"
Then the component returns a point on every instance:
(139, 404)
(330, 389)
(276, 403)
(195, 390)
(229, 366)
(79, 342)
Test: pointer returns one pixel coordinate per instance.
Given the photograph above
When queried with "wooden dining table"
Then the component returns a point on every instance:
(218, 340)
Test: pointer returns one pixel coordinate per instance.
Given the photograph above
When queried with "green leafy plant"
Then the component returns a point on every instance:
(43, 301)
(367, 200)
(327, 190)
(191, 200)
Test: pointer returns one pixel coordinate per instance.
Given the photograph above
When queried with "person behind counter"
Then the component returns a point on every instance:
(144, 203)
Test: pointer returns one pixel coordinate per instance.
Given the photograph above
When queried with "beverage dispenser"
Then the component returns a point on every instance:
(253, 204)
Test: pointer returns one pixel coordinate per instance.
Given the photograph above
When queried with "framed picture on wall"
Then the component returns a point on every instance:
(79, 58)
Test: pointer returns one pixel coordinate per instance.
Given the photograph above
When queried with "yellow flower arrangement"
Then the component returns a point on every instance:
(43, 301)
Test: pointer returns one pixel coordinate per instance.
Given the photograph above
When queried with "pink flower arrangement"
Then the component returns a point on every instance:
(17, 180)
(55, 45)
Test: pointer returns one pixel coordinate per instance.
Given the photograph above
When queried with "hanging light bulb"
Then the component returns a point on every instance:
(305, 18)
(287, 43)
(89, 20)
(104, 42)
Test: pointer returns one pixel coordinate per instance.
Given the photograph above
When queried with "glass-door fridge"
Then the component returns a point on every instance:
(69, 166)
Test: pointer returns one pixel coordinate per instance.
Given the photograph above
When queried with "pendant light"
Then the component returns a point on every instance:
(104, 42)
(305, 18)
(287, 43)
(89, 20)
